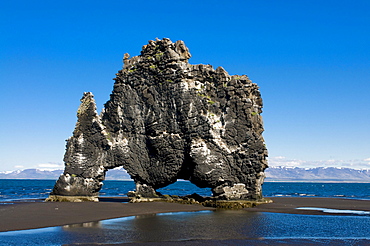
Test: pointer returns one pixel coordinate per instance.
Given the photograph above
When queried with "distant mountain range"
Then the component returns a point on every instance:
(31, 174)
(114, 174)
(282, 174)
(317, 174)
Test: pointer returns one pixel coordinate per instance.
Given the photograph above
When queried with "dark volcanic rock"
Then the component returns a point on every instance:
(166, 120)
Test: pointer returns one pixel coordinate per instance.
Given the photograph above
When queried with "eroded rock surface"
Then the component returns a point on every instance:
(166, 120)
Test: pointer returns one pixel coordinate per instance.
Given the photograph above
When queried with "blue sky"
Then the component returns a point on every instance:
(310, 58)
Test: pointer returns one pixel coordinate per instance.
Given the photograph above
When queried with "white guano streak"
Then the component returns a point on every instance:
(216, 130)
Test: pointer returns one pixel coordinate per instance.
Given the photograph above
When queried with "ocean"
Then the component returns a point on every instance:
(21, 189)
(228, 227)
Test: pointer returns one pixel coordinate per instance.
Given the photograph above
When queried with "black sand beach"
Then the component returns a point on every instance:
(113, 221)
(31, 215)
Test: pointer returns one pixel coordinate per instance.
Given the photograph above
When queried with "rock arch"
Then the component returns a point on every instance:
(166, 120)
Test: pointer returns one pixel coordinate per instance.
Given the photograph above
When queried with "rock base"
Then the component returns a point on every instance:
(57, 198)
(205, 201)
(235, 204)
(190, 199)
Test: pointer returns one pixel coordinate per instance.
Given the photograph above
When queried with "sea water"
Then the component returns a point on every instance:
(19, 189)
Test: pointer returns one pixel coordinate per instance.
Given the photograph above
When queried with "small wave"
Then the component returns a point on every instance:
(337, 211)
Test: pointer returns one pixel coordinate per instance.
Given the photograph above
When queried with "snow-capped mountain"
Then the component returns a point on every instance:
(31, 174)
(317, 174)
(114, 174)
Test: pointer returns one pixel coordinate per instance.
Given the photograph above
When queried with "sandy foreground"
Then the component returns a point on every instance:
(290, 204)
(37, 214)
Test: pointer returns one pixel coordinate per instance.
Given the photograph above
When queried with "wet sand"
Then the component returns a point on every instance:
(37, 214)
(289, 205)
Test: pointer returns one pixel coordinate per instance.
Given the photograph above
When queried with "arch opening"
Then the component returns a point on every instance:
(183, 188)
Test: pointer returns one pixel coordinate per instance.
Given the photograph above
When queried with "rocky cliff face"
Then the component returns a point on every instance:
(166, 120)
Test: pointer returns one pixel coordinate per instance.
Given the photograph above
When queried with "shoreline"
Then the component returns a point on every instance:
(289, 205)
(37, 214)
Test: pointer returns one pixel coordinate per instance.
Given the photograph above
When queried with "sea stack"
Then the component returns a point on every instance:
(166, 120)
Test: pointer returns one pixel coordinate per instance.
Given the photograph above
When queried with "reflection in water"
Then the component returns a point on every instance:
(95, 224)
(236, 226)
(143, 216)
(201, 225)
